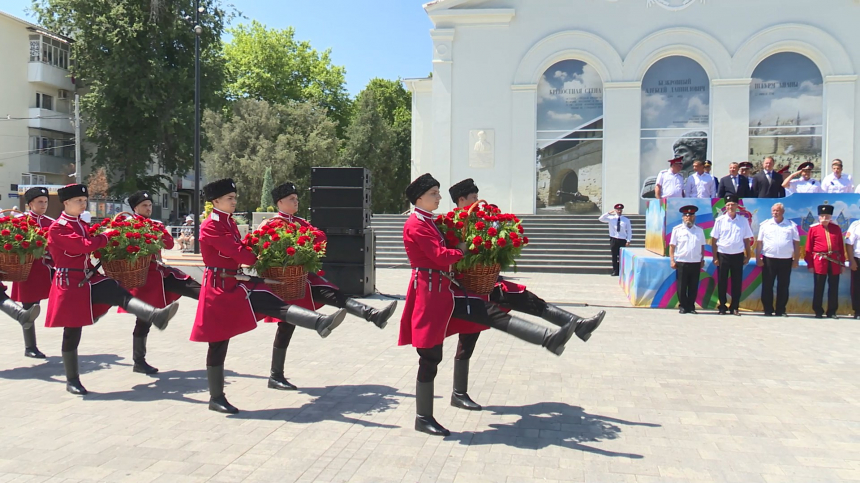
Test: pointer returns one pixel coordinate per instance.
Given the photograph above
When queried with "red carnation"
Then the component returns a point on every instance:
(525, 240)
(19, 237)
(492, 231)
(477, 240)
(106, 221)
(148, 241)
(516, 243)
(291, 251)
(303, 229)
(501, 242)
(514, 235)
(450, 215)
(439, 219)
(8, 246)
(97, 254)
(39, 243)
(129, 235)
(321, 273)
(138, 226)
(255, 240)
(463, 215)
(276, 237)
(5, 232)
(520, 228)
(130, 249)
(459, 225)
(114, 243)
(480, 225)
(257, 232)
(481, 214)
(317, 247)
(449, 223)
(475, 250)
(488, 244)
(266, 245)
(31, 222)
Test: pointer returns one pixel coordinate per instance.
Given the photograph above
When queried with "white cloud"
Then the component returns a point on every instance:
(696, 107)
(564, 116)
(560, 74)
(652, 106)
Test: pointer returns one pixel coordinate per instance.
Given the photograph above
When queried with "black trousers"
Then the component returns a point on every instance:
(185, 288)
(428, 363)
(480, 312)
(217, 353)
(525, 302)
(775, 270)
(855, 288)
(110, 292)
(832, 281)
(329, 296)
(615, 245)
(730, 265)
(687, 279)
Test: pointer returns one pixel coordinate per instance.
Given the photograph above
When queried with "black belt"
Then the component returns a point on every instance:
(225, 270)
(449, 275)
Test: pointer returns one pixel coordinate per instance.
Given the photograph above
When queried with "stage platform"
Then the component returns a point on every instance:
(649, 281)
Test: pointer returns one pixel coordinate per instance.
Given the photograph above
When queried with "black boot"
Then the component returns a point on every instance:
(368, 313)
(30, 349)
(460, 397)
(424, 420)
(584, 327)
(138, 355)
(73, 378)
(24, 317)
(217, 401)
(553, 340)
(148, 313)
(276, 375)
(309, 319)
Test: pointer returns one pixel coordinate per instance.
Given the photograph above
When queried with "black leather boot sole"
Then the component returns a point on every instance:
(428, 425)
(380, 317)
(463, 401)
(34, 352)
(585, 327)
(75, 387)
(142, 367)
(281, 383)
(221, 405)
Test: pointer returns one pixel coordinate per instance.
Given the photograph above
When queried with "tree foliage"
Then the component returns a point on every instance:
(256, 135)
(266, 200)
(271, 65)
(379, 138)
(136, 59)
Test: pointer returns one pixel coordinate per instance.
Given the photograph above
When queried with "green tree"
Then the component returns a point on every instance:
(380, 139)
(271, 65)
(266, 200)
(256, 135)
(136, 59)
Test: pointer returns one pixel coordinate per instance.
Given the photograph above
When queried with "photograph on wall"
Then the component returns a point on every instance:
(569, 167)
(675, 117)
(786, 113)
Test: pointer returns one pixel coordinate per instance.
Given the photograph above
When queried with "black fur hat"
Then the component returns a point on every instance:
(282, 191)
(219, 188)
(420, 186)
(138, 198)
(463, 189)
(72, 191)
(35, 192)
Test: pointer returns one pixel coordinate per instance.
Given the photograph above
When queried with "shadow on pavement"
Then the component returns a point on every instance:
(335, 403)
(51, 368)
(171, 385)
(551, 424)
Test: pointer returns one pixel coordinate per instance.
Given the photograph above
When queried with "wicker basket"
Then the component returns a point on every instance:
(129, 275)
(294, 278)
(10, 263)
(481, 279)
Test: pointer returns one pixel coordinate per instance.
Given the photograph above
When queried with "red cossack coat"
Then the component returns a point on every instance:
(70, 245)
(224, 309)
(825, 241)
(38, 284)
(314, 280)
(429, 297)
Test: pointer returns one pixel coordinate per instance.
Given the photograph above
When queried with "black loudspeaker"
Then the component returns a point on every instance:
(350, 249)
(341, 220)
(352, 278)
(342, 177)
(339, 197)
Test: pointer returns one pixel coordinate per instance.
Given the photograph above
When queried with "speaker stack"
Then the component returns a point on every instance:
(340, 206)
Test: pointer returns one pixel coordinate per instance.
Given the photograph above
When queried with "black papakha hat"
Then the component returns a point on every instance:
(420, 186)
(282, 191)
(35, 192)
(825, 209)
(463, 189)
(219, 188)
(138, 198)
(72, 191)
(730, 198)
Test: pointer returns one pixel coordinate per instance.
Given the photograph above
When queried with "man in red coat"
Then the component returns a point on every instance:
(79, 295)
(825, 257)
(37, 287)
(320, 291)
(430, 302)
(229, 307)
(506, 296)
(164, 285)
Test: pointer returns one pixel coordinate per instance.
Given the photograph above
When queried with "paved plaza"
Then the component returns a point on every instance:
(653, 397)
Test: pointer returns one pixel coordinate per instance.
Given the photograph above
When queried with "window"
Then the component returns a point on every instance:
(44, 101)
(49, 51)
(32, 179)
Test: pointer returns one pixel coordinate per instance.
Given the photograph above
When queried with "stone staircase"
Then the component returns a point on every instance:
(557, 243)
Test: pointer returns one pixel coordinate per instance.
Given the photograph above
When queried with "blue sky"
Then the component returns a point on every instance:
(382, 38)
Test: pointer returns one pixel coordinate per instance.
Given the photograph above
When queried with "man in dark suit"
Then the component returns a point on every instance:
(734, 184)
(767, 183)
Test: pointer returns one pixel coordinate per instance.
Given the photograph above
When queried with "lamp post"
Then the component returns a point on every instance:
(196, 202)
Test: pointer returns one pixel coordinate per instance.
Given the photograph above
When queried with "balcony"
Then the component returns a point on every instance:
(50, 120)
(50, 75)
(48, 164)
(187, 182)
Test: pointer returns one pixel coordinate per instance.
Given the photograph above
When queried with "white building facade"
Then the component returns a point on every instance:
(36, 108)
(549, 102)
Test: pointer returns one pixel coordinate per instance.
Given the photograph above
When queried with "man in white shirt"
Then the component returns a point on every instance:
(700, 184)
(777, 252)
(803, 184)
(730, 243)
(687, 255)
(852, 249)
(670, 182)
(837, 181)
(620, 233)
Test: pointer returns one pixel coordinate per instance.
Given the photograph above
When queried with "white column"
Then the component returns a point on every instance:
(622, 121)
(439, 165)
(523, 175)
(839, 125)
(422, 124)
(730, 120)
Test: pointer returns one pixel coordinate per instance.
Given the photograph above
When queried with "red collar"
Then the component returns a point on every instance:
(66, 216)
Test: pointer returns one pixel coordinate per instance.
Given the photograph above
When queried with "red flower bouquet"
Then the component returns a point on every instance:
(493, 240)
(132, 242)
(286, 252)
(22, 242)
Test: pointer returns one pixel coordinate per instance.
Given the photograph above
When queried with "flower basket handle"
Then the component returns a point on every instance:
(471, 209)
(116, 217)
(16, 210)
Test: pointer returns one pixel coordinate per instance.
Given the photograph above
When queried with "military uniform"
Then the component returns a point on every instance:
(825, 253)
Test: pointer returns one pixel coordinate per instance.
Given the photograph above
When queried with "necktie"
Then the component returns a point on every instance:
(735, 181)
(618, 226)
(769, 180)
